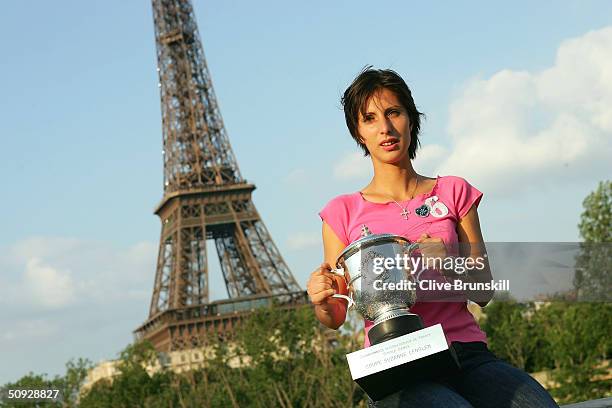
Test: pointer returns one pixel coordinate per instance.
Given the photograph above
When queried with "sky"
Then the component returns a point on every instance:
(518, 98)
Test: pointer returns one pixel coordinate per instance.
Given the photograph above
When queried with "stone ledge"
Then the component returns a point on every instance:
(598, 403)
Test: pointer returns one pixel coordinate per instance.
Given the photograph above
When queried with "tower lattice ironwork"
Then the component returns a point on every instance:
(205, 197)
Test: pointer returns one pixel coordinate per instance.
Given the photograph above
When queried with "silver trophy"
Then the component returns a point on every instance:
(362, 266)
(402, 350)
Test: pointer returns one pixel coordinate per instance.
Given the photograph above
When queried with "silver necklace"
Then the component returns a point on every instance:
(405, 210)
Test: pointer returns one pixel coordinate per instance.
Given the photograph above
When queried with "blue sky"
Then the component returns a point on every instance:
(518, 100)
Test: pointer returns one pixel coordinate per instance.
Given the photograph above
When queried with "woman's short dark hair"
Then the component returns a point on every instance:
(366, 84)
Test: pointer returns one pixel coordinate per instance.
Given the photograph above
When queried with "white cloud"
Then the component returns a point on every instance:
(428, 157)
(303, 240)
(70, 293)
(48, 286)
(353, 166)
(55, 272)
(551, 126)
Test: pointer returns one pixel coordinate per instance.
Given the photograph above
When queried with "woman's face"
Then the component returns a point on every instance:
(385, 127)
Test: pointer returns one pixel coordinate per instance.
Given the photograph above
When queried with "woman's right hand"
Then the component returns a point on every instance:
(320, 286)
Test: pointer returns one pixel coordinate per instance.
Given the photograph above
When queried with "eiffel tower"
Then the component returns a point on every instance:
(205, 197)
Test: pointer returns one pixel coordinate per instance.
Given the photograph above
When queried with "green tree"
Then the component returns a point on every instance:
(596, 219)
(593, 279)
(579, 344)
(276, 357)
(571, 339)
(288, 360)
(513, 335)
(133, 386)
(69, 385)
(28, 381)
(579, 333)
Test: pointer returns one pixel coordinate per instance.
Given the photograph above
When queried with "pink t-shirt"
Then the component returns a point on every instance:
(346, 214)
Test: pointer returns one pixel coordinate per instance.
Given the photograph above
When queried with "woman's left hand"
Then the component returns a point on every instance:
(432, 248)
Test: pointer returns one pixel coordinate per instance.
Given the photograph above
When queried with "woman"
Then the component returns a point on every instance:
(438, 213)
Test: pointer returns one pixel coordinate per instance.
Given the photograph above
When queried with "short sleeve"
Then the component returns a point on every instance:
(336, 215)
(466, 196)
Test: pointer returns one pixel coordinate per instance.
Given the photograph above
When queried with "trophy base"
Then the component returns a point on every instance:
(387, 367)
(394, 327)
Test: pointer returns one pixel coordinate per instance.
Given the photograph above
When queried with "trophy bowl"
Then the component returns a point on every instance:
(382, 292)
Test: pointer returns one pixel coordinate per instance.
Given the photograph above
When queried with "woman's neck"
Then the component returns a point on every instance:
(395, 180)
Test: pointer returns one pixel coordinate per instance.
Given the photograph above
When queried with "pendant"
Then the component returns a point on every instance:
(422, 211)
(405, 213)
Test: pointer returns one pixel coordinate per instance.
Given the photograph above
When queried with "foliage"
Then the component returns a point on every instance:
(69, 385)
(596, 220)
(513, 336)
(276, 358)
(579, 346)
(134, 386)
(593, 279)
(284, 359)
(579, 333)
(306, 367)
(571, 340)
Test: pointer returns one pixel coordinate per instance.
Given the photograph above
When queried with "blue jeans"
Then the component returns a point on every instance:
(484, 381)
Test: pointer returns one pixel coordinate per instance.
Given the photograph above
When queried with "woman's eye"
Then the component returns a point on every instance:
(368, 118)
(394, 112)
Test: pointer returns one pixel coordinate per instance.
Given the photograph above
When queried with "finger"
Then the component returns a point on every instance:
(320, 297)
(325, 266)
(332, 275)
(422, 238)
(317, 286)
(320, 271)
(324, 279)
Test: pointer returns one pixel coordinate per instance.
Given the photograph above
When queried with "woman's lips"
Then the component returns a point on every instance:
(390, 146)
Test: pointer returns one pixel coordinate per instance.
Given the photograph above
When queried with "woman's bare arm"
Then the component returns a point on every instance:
(330, 311)
(472, 245)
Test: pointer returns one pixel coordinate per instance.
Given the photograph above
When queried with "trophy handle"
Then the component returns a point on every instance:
(340, 272)
(337, 271)
(411, 247)
(347, 298)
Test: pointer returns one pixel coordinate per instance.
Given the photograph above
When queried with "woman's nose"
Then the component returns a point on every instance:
(385, 126)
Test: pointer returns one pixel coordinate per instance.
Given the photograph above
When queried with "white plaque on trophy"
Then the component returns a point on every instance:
(397, 351)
